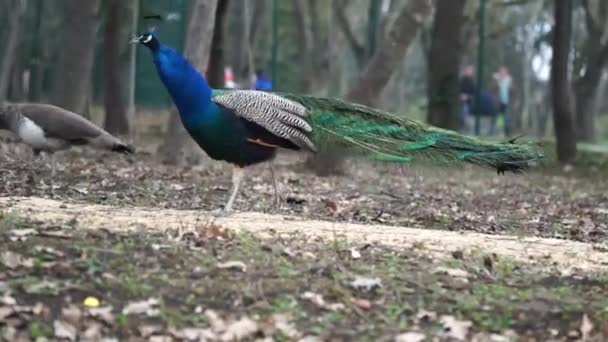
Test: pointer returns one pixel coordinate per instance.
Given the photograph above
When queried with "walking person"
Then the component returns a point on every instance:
(503, 80)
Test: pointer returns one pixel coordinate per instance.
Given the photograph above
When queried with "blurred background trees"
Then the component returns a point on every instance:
(404, 56)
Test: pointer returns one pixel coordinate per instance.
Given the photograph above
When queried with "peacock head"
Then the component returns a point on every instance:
(148, 39)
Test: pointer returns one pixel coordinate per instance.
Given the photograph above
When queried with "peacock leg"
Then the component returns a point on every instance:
(237, 177)
(277, 196)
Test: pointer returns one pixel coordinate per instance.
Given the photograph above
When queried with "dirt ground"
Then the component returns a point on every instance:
(379, 253)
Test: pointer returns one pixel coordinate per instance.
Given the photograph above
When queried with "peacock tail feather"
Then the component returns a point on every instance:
(360, 130)
(393, 138)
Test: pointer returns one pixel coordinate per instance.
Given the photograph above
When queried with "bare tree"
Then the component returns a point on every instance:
(215, 71)
(9, 56)
(72, 87)
(563, 114)
(117, 64)
(444, 63)
(591, 62)
(199, 33)
(357, 48)
(390, 52)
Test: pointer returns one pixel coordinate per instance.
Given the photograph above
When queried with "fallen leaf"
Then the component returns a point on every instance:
(453, 272)
(411, 336)
(20, 234)
(103, 314)
(318, 300)
(586, 328)
(426, 316)
(282, 323)
(239, 330)
(147, 307)
(42, 287)
(6, 299)
(92, 332)
(355, 254)
(14, 260)
(215, 321)
(214, 232)
(5, 311)
(366, 284)
(56, 234)
(193, 334)
(232, 265)
(71, 314)
(148, 330)
(454, 328)
(49, 250)
(362, 303)
(64, 330)
(310, 339)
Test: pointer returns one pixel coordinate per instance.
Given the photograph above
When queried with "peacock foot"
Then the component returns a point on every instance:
(219, 213)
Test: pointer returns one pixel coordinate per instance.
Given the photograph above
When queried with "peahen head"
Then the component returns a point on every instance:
(148, 39)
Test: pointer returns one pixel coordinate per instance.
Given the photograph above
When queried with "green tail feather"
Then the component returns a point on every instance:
(388, 137)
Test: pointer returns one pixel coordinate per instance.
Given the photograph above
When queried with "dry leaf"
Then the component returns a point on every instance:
(310, 339)
(148, 330)
(239, 330)
(193, 334)
(411, 336)
(42, 287)
(14, 260)
(148, 307)
(282, 323)
(454, 328)
(20, 234)
(5, 312)
(215, 321)
(366, 284)
(92, 332)
(6, 299)
(103, 314)
(586, 328)
(317, 299)
(64, 330)
(355, 254)
(362, 303)
(453, 272)
(232, 265)
(427, 316)
(71, 314)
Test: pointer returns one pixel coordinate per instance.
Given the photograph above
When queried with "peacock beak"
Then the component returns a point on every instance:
(135, 40)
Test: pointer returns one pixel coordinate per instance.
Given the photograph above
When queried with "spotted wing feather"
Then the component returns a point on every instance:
(280, 116)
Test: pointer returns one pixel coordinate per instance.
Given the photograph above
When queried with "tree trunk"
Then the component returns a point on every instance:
(390, 53)
(215, 71)
(585, 91)
(36, 60)
(72, 87)
(117, 29)
(178, 145)
(444, 64)
(133, 10)
(12, 44)
(304, 34)
(563, 115)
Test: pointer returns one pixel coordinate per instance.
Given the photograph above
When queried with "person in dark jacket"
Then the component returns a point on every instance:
(467, 95)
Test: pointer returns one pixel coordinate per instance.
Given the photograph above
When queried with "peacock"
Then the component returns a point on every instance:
(247, 127)
(48, 128)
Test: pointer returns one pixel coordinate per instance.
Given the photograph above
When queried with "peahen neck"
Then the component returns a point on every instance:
(188, 88)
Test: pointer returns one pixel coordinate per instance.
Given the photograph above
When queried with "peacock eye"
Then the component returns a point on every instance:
(147, 38)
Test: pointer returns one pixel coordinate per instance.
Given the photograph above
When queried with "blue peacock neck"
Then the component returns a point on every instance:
(188, 88)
